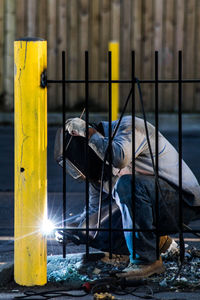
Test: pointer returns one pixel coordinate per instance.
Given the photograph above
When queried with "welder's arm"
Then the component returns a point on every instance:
(121, 144)
(121, 147)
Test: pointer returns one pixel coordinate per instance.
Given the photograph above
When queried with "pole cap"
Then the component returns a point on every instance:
(30, 39)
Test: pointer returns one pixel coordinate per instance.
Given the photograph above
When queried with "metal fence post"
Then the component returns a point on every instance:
(30, 257)
(114, 48)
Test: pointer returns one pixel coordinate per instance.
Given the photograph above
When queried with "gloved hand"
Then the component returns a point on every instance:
(75, 126)
(66, 237)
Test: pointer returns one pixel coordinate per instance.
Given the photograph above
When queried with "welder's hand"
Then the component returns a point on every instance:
(75, 127)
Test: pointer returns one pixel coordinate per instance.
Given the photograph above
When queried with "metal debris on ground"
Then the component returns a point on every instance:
(75, 269)
(189, 276)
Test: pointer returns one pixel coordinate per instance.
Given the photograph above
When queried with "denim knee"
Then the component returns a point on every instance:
(122, 189)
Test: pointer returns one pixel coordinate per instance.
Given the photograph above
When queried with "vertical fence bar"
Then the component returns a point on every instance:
(156, 152)
(180, 154)
(110, 148)
(87, 152)
(133, 149)
(64, 145)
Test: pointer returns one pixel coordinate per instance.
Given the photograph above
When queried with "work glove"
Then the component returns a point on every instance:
(76, 127)
(66, 237)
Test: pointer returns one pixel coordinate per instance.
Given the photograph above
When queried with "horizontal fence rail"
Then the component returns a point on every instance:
(128, 81)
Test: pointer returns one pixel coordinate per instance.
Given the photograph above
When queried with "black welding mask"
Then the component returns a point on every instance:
(75, 157)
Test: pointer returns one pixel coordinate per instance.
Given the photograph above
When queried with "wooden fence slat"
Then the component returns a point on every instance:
(178, 45)
(158, 24)
(73, 51)
(1, 44)
(136, 39)
(9, 53)
(94, 51)
(125, 49)
(168, 54)
(20, 18)
(83, 42)
(115, 20)
(197, 58)
(104, 39)
(42, 19)
(179, 30)
(31, 17)
(61, 43)
(147, 53)
(158, 30)
(188, 55)
(158, 39)
(52, 52)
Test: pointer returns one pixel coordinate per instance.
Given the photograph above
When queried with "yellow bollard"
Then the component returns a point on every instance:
(114, 48)
(30, 257)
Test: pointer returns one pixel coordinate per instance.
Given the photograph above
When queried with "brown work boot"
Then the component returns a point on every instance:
(136, 272)
(165, 243)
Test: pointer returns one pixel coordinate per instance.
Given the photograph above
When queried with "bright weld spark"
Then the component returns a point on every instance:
(47, 227)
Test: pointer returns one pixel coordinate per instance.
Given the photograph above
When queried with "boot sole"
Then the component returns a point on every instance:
(144, 271)
(157, 271)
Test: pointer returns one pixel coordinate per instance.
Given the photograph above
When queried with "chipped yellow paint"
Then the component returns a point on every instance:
(114, 48)
(30, 258)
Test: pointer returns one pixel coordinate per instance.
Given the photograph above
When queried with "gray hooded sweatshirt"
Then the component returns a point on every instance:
(122, 156)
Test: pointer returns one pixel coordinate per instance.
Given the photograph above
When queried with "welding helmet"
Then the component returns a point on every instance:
(75, 158)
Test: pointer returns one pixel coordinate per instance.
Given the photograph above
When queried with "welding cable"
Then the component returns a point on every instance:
(121, 287)
(28, 295)
(122, 291)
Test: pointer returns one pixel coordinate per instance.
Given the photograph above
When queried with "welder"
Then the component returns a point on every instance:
(144, 262)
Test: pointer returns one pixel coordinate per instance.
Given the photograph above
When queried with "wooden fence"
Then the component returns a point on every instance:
(79, 25)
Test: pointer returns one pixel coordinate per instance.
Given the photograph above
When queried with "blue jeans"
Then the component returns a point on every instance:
(145, 213)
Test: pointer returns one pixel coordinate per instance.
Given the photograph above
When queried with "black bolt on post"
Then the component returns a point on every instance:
(64, 146)
(87, 152)
(182, 248)
(110, 148)
(133, 150)
(156, 152)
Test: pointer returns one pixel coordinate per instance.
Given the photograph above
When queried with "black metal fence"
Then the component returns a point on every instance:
(133, 81)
